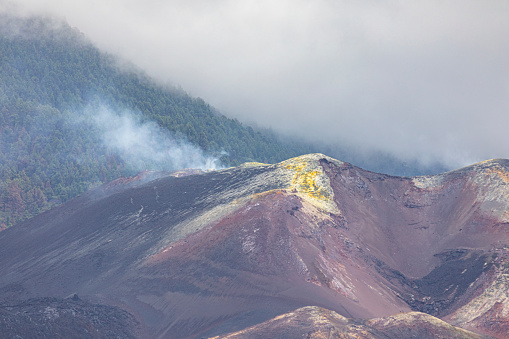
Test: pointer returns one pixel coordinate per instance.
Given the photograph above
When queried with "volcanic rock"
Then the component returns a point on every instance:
(316, 322)
(213, 253)
(64, 318)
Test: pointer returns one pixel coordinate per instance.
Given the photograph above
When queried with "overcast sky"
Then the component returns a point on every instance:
(417, 79)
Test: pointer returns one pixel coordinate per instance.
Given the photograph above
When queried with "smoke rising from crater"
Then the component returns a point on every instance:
(145, 145)
(425, 80)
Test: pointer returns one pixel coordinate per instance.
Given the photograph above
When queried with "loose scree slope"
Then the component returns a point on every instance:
(309, 245)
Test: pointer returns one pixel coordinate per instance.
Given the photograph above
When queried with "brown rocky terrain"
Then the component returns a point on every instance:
(316, 322)
(212, 253)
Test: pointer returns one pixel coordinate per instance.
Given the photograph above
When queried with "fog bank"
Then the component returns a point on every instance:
(425, 81)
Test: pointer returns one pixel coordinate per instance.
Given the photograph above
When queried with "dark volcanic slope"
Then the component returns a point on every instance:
(64, 318)
(213, 253)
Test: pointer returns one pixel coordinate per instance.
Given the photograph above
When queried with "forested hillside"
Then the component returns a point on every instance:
(49, 74)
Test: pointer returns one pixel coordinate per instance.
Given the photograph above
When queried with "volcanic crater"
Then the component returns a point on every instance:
(342, 249)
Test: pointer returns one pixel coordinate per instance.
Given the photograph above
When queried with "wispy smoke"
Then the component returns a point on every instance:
(145, 145)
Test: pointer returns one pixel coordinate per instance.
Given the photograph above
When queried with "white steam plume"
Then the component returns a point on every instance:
(145, 145)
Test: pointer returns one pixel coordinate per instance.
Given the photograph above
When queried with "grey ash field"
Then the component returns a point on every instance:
(310, 247)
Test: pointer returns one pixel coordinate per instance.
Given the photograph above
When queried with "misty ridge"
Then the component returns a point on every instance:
(83, 71)
(73, 117)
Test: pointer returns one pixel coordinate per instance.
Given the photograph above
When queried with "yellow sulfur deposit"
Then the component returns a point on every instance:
(500, 172)
(310, 182)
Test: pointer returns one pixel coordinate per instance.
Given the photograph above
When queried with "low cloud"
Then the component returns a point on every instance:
(424, 81)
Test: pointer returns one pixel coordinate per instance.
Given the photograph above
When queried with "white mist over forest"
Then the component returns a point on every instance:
(425, 81)
(143, 144)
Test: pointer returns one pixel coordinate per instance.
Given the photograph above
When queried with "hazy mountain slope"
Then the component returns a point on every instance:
(214, 253)
(47, 62)
(52, 80)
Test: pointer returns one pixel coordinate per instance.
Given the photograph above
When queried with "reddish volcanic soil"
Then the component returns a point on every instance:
(216, 252)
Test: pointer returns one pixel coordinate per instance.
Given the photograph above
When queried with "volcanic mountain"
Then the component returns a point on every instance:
(307, 247)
